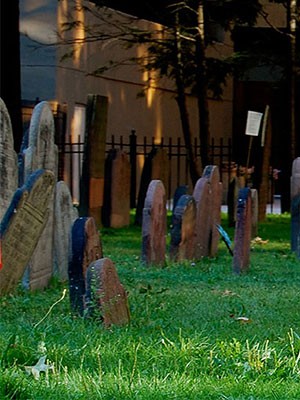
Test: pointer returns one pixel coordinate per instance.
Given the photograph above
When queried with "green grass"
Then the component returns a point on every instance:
(185, 339)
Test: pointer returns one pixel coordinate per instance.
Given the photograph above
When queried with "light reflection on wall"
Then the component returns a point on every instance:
(79, 32)
(77, 136)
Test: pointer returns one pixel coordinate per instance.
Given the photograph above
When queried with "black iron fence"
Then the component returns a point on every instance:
(71, 156)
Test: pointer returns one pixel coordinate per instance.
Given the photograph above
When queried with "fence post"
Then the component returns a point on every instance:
(132, 156)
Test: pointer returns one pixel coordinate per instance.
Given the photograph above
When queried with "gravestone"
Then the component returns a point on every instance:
(208, 196)
(242, 236)
(116, 200)
(254, 213)
(156, 167)
(8, 160)
(22, 225)
(64, 216)
(154, 225)
(295, 207)
(182, 246)
(105, 296)
(86, 247)
(41, 153)
(232, 200)
(180, 191)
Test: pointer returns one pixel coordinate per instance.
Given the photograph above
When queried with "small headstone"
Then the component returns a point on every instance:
(242, 237)
(232, 200)
(8, 160)
(85, 248)
(154, 225)
(203, 232)
(64, 216)
(180, 191)
(295, 207)
(105, 295)
(22, 225)
(182, 244)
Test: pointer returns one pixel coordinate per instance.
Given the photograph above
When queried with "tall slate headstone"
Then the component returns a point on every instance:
(105, 295)
(295, 207)
(22, 225)
(116, 200)
(180, 191)
(8, 160)
(41, 153)
(182, 246)
(242, 236)
(154, 225)
(86, 247)
(64, 216)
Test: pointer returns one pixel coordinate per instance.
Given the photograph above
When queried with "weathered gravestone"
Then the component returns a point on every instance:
(8, 161)
(182, 246)
(295, 207)
(41, 153)
(22, 225)
(86, 247)
(116, 200)
(105, 296)
(156, 167)
(180, 191)
(208, 196)
(64, 216)
(242, 236)
(154, 225)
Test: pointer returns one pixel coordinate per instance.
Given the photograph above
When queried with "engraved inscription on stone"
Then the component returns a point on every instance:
(22, 225)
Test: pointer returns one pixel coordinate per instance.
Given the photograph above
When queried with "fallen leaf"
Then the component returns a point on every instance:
(243, 320)
(258, 240)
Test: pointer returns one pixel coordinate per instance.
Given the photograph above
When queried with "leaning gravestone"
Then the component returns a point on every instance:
(86, 247)
(242, 236)
(22, 225)
(295, 207)
(105, 295)
(8, 160)
(154, 225)
(41, 153)
(64, 216)
(116, 200)
(182, 246)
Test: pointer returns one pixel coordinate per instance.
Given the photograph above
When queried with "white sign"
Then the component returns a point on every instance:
(253, 123)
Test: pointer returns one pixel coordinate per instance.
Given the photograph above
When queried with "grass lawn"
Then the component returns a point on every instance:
(197, 330)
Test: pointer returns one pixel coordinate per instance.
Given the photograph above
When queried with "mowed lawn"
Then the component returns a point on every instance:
(197, 330)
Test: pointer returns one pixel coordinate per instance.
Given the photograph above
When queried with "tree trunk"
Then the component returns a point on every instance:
(203, 112)
(184, 117)
(10, 87)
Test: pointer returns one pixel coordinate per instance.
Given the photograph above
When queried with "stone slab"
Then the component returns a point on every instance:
(106, 297)
(25, 218)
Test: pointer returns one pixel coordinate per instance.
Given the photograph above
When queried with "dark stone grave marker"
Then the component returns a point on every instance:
(242, 236)
(85, 248)
(182, 246)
